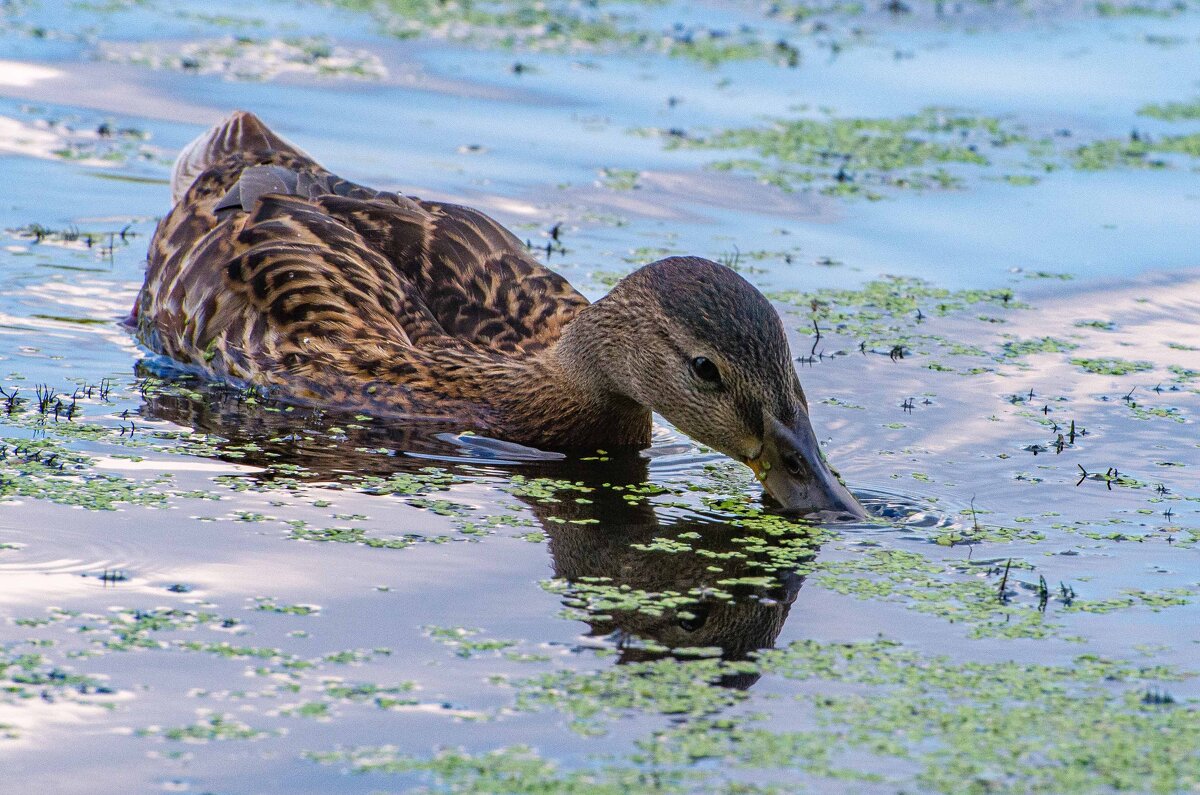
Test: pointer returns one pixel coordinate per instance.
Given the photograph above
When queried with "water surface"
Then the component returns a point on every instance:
(207, 591)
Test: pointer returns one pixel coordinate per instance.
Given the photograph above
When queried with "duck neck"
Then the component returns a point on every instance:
(560, 398)
(571, 401)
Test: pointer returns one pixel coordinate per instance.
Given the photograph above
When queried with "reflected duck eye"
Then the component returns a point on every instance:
(705, 370)
(699, 616)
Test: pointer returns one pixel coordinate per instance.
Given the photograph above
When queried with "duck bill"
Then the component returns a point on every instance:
(794, 473)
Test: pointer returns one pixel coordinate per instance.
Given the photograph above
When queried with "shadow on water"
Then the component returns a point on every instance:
(652, 583)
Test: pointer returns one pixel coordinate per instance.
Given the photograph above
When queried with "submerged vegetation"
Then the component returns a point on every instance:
(935, 148)
(1090, 725)
(861, 157)
(246, 58)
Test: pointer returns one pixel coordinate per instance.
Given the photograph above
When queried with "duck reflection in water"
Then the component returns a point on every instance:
(703, 609)
(685, 581)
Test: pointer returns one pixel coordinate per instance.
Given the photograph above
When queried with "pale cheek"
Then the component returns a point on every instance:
(740, 439)
(729, 435)
(712, 422)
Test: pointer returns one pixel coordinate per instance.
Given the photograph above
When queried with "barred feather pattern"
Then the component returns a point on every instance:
(339, 294)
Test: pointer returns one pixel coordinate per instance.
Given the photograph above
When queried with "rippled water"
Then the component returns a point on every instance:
(171, 550)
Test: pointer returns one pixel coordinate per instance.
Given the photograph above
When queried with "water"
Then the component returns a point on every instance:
(273, 583)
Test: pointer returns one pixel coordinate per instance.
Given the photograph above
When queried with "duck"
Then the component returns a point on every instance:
(271, 271)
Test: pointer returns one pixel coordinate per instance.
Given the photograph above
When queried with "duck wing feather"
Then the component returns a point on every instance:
(269, 264)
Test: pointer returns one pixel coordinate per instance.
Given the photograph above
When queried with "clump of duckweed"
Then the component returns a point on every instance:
(462, 640)
(597, 598)
(573, 27)
(1110, 366)
(382, 696)
(1135, 597)
(861, 156)
(1107, 8)
(1143, 412)
(166, 629)
(619, 178)
(301, 531)
(27, 676)
(1103, 325)
(1183, 374)
(1137, 151)
(928, 150)
(44, 469)
(1172, 111)
(1019, 348)
(1093, 724)
(407, 484)
(514, 769)
(889, 312)
(245, 58)
(211, 728)
(929, 587)
(267, 605)
(666, 686)
(547, 491)
(334, 694)
(41, 675)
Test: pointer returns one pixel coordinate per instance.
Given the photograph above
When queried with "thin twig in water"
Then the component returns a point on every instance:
(1003, 595)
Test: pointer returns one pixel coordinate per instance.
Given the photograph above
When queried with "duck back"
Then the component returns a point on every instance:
(271, 270)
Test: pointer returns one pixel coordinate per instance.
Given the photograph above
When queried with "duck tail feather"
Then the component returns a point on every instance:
(242, 131)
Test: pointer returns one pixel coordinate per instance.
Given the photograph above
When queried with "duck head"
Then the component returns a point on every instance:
(697, 343)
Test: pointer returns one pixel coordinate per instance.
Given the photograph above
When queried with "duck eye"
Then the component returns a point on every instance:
(705, 370)
(793, 464)
(697, 619)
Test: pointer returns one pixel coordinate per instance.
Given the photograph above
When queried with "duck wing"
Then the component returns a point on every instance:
(268, 263)
(477, 280)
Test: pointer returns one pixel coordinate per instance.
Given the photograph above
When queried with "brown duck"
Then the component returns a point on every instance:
(272, 271)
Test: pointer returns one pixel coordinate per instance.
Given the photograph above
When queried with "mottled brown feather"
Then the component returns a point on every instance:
(356, 297)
